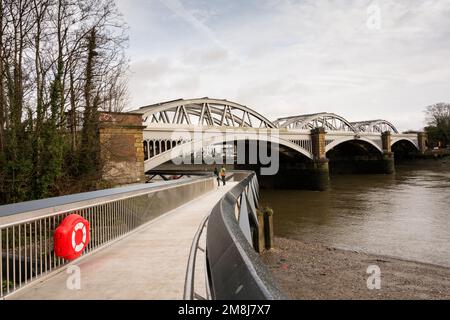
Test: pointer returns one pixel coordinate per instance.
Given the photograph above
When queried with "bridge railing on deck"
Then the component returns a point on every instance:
(26, 229)
(235, 271)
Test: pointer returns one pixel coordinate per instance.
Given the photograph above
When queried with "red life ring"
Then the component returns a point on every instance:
(71, 237)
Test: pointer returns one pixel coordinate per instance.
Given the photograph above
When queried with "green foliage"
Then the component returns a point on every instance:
(435, 136)
(53, 140)
(5, 284)
(267, 211)
(17, 165)
(49, 66)
(438, 130)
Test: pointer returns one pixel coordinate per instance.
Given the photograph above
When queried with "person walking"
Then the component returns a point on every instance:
(223, 174)
(216, 173)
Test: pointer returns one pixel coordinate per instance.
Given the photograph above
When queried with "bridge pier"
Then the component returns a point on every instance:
(381, 164)
(423, 141)
(387, 164)
(302, 173)
(122, 147)
(320, 171)
(318, 175)
(311, 175)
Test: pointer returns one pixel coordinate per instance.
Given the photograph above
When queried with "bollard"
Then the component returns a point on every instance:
(259, 238)
(268, 228)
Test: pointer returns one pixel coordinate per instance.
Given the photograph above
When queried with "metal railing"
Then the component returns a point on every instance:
(233, 268)
(190, 292)
(26, 229)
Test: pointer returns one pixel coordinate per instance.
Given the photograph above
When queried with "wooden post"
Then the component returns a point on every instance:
(268, 228)
(259, 241)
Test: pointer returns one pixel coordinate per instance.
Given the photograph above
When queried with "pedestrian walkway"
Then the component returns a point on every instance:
(148, 264)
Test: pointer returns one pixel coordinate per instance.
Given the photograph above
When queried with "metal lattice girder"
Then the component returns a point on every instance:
(375, 126)
(204, 112)
(328, 121)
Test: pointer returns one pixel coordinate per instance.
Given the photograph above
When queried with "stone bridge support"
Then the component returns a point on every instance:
(423, 142)
(387, 163)
(305, 173)
(320, 165)
(122, 147)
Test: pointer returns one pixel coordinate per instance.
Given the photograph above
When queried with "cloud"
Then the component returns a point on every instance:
(205, 56)
(178, 8)
(285, 57)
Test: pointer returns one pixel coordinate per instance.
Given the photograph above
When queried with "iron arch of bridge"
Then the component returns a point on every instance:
(328, 121)
(407, 140)
(338, 142)
(204, 112)
(375, 126)
(197, 146)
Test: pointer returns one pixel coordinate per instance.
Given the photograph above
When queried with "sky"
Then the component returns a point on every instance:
(360, 59)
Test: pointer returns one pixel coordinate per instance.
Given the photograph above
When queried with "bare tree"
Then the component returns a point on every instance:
(438, 118)
(57, 58)
(438, 114)
(3, 106)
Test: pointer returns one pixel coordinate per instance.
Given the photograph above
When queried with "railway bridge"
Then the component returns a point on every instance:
(197, 134)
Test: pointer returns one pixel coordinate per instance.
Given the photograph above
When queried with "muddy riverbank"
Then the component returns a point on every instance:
(315, 271)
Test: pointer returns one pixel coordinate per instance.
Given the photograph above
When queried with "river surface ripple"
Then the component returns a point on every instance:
(405, 215)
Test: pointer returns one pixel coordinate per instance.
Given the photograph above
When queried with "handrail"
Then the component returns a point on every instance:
(39, 208)
(189, 285)
(234, 268)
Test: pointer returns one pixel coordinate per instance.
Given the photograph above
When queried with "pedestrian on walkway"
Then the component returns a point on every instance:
(216, 173)
(223, 174)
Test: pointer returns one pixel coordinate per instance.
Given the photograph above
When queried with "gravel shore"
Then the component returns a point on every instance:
(312, 271)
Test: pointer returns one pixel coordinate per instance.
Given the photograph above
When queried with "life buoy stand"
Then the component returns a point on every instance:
(71, 237)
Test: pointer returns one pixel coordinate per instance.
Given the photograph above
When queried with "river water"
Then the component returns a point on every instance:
(406, 215)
